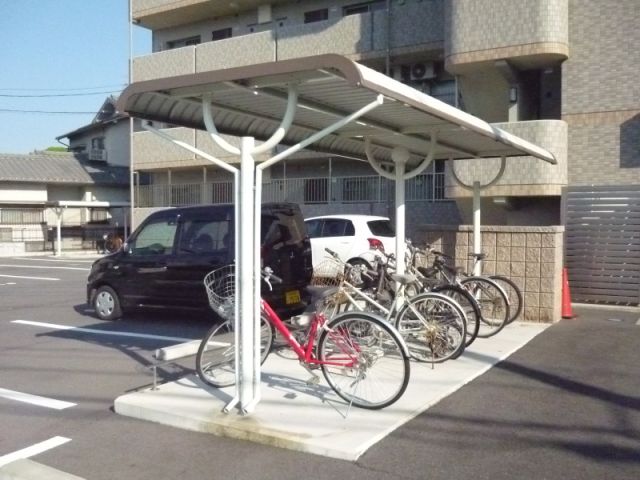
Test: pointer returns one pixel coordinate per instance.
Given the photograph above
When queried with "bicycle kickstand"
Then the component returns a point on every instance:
(315, 379)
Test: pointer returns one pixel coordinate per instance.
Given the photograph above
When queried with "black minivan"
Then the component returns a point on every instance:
(165, 260)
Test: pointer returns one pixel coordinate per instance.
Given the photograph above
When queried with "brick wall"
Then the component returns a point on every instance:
(530, 256)
(601, 92)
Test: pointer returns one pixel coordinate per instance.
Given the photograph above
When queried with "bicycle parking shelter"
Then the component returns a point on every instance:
(61, 205)
(325, 103)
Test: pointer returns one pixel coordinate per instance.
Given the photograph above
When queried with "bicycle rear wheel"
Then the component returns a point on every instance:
(365, 360)
(433, 326)
(468, 304)
(216, 358)
(514, 294)
(493, 303)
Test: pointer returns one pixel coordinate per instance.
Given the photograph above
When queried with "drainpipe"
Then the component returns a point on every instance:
(388, 54)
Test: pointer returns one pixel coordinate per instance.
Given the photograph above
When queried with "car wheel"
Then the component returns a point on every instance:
(107, 304)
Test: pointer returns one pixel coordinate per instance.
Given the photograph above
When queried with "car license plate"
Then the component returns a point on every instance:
(292, 296)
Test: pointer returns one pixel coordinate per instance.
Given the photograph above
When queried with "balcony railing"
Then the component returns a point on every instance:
(364, 34)
(314, 190)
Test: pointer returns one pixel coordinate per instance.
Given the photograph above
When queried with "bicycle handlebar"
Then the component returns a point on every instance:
(370, 274)
(268, 276)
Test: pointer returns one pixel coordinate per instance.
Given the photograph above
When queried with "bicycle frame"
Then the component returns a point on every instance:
(305, 352)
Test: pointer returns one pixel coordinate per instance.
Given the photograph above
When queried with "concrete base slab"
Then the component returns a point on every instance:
(25, 469)
(311, 418)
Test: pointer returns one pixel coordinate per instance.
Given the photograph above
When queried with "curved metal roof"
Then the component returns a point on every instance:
(251, 101)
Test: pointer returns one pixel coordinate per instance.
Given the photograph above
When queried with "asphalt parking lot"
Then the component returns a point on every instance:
(567, 405)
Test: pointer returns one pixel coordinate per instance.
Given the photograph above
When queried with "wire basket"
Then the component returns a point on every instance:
(329, 273)
(221, 290)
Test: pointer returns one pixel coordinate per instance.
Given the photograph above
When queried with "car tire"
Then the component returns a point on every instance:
(107, 303)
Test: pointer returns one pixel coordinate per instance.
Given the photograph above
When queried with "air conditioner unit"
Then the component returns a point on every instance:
(422, 71)
(264, 13)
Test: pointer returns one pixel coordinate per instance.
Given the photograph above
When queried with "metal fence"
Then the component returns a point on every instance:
(602, 245)
(311, 190)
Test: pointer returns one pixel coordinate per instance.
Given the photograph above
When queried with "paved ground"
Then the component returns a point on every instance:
(567, 405)
(282, 417)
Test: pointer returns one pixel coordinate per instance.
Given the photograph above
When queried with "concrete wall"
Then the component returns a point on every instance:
(530, 256)
(487, 30)
(22, 192)
(523, 176)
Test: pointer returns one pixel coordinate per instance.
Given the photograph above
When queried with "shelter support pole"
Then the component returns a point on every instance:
(477, 188)
(400, 156)
(245, 283)
(477, 243)
(59, 231)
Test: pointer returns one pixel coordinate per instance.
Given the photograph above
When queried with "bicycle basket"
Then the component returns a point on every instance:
(221, 290)
(329, 273)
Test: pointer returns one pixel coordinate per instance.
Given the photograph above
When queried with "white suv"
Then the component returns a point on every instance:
(352, 237)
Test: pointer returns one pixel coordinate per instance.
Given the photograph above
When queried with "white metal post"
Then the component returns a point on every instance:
(245, 294)
(59, 232)
(400, 157)
(477, 244)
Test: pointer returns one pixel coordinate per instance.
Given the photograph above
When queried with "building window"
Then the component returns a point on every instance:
(316, 15)
(221, 34)
(17, 216)
(99, 215)
(183, 42)
(97, 152)
(97, 143)
(364, 7)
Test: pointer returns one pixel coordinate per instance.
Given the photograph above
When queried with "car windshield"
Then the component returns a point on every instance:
(381, 228)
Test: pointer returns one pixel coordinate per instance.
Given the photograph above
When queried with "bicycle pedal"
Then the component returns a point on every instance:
(315, 380)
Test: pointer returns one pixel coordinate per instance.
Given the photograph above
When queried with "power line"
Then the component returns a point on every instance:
(55, 95)
(119, 85)
(9, 110)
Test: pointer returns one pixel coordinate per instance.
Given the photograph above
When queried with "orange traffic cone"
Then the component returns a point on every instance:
(567, 312)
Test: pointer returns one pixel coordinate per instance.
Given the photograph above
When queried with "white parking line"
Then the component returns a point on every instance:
(33, 450)
(35, 399)
(30, 278)
(638, 322)
(46, 266)
(51, 260)
(102, 332)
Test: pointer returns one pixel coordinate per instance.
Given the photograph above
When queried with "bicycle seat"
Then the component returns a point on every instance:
(478, 256)
(428, 271)
(405, 279)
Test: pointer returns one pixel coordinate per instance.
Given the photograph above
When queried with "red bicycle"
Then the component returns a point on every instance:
(362, 357)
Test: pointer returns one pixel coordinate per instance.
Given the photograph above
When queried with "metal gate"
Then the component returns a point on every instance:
(602, 243)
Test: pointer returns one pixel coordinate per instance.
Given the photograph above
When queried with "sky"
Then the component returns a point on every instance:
(63, 48)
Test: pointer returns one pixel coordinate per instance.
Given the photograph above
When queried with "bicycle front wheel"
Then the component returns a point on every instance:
(493, 303)
(364, 360)
(216, 358)
(433, 326)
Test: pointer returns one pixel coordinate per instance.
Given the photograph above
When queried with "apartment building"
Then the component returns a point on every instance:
(559, 73)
